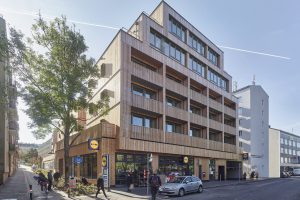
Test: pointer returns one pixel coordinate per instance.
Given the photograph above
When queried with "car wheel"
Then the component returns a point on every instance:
(200, 189)
(181, 192)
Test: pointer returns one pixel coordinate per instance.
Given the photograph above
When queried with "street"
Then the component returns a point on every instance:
(273, 189)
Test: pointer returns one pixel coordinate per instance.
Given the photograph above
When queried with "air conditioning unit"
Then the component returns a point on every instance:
(106, 70)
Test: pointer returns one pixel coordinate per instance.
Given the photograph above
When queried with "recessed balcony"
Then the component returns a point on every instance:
(214, 145)
(146, 74)
(229, 148)
(198, 97)
(198, 119)
(215, 105)
(229, 111)
(147, 134)
(147, 104)
(176, 113)
(229, 129)
(215, 125)
(176, 87)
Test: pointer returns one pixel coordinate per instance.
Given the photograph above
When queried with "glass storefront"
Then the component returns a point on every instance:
(175, 165)
(136, 164)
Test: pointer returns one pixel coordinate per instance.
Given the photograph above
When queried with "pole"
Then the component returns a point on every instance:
(147, 182)
(239, 172)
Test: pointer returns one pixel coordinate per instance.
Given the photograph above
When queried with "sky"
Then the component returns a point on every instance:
(269, 26)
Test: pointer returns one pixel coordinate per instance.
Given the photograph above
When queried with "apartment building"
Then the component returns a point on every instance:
(171, 103)
(253, 114)
(287, 156)
(8, 116)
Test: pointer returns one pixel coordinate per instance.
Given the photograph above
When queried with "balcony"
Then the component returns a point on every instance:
(12, 148)
(147, 104)
(176, 113)
(178, 138)
(215, 125)
(146, 74)
(229, 129)
(215, 105)
(198, 97)
(198, 119)
(229, 148)
(198, 142)
(147, 134)
(13, 125)
(214, 145)
(176, 87)
(13, 114)
(229, 111)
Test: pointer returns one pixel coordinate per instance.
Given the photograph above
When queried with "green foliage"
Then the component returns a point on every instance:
(43, 171)
(80, 188)
(30, 157)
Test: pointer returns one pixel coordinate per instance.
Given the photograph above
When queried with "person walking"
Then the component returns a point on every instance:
(50, 180)
(129, 182)
(155, 183)
(100, 186)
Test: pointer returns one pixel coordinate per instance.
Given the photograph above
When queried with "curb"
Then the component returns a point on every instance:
(132, 196)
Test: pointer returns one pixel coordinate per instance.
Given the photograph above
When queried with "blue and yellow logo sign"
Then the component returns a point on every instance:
(104, 161)
(93, 144)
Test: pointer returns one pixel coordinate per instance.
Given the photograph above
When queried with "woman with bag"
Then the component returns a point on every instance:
(130, 185)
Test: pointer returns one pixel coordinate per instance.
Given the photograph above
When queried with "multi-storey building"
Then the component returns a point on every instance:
(8, 115)
(46, 155)
(286, 157)
(253, 128)
(170, 98)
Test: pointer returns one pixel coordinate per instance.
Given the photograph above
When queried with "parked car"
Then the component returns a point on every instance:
(182, 185)
(296, 172)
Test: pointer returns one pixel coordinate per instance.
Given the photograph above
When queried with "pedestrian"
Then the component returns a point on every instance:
(50, 180)
(100, 186)
(155, 183)
(56, 177)
(84, 181)
(129, 182)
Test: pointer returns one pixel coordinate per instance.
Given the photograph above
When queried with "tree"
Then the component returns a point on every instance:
(56, 80)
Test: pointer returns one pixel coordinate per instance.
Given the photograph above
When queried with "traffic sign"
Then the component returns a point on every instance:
(78, 160)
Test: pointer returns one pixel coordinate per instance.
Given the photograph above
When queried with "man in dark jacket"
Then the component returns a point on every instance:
(50, 180)
(100, 186)
(155, 183)
(129, 182)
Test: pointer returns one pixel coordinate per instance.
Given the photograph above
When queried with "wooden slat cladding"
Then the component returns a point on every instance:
(147, 104)
(176, 113)
(198, 97)
(215, 125)
(215, 105)
(229, 148)
(101, 130)
(146, 74)
(229, 129)
(147, 134)
(229, 111)
(176, 87)
(185, 140)
(198, 119)
(216, 145)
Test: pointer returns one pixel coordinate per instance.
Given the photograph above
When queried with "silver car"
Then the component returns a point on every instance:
(181, 185)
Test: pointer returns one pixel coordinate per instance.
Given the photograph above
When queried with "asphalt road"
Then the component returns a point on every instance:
(273, 189)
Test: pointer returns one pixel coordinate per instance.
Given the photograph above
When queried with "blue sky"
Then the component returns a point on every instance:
(270, 26)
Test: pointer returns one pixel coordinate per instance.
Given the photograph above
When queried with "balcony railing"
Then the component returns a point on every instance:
(229, 147)
(215, 145)
(148, 134)
(196, 96)
(198, 119)
(176, 87)
(198, 142)
(229, 129)
(147, 104)
(229, 111)
(146, 74)
(177, 138)
(215, 125)
(176, 113)
(215, 105)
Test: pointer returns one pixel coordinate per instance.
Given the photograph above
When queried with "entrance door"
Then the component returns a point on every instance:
(200, 172)
(221, 173)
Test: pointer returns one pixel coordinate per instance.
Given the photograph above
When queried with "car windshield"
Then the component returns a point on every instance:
(177, 180)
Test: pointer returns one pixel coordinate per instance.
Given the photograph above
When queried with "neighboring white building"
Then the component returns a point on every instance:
(254, 128)
(274, 153)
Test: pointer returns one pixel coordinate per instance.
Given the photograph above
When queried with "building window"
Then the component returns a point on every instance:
(286, 142)
(281, 141)
(177, 29)
(240, 144)
(216, 79)
(281, 150)
(286, 151)
(137, 90)
(88, 168)
(240, 133)
(281, 159)
(138, 120)
(212, 56)
(172, 128)
(167, 47)
(290, 151)
(197, 133)
(196, 66)
(172, 102)
(196, 44)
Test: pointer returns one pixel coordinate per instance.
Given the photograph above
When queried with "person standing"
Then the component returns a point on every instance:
(100, 186)
(155, 183)
(50, 180)
(129, 182)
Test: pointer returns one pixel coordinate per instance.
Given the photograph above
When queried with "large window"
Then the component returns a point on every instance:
(196, 66)
(170, 164)
(88, 168)
(177, 29)
(216, 79)
(212, 56)
(173, 128)
(172, 102)
(145, 121)
(196, 44)
(167, 47)
(196, 133)
(137, 90)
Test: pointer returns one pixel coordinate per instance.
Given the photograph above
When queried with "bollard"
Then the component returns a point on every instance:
(30, 192)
